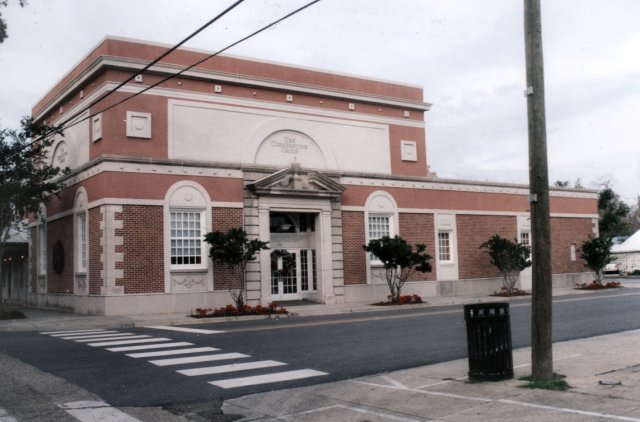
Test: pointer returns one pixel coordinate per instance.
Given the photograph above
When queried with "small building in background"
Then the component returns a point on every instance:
(15, 267)
(315, 162)
(626, 255)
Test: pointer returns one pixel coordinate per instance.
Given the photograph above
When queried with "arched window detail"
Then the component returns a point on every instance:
(381, 218)
(188, 216)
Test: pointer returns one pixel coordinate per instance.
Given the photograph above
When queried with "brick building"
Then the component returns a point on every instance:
(314, 162)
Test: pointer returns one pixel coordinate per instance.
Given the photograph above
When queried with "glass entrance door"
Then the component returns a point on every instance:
(292, 272)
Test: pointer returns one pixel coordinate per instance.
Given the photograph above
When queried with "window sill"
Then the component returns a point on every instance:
(189, 270)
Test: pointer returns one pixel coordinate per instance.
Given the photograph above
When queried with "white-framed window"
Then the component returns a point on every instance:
(186, 231)
(525, 238)
(379, 225)
(42, 247)
(381, 216)
(444, 246)
(81, 242)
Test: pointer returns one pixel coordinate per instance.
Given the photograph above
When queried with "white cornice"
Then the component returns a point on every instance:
(167, 69)
(130, 166)
(353, 208)
(460, 186)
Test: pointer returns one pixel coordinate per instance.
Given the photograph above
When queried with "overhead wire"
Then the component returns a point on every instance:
(65, 123)
(264, 28)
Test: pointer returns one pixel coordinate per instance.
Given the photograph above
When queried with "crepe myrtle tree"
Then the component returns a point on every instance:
(596, 252)
(509, 257)
(234, 249)
(27, 176)
(400, 261)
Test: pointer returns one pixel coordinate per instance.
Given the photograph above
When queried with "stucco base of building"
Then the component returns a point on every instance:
(139, 304)
(449, 288)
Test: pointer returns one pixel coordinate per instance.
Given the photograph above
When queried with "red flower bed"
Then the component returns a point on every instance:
(230, 310)
(595, 286)
(403, 300)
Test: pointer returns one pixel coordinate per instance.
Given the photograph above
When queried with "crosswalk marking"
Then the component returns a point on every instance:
(268, 378)
(146, 346)
(93, 411)
(61, 333)
(149, 346)
(197, 359)
(221, 369)
(77, 337)
(186, 330)
(173, 352)
(119, 342)
(89, 340)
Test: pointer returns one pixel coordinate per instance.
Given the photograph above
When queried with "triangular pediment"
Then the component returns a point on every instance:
(294, 182)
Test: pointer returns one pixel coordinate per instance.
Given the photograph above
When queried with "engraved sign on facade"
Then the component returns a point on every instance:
(289, 145)
(286, 146)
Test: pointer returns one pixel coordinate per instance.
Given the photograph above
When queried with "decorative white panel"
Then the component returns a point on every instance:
(409, 151)
(138, 124)
(96, 127)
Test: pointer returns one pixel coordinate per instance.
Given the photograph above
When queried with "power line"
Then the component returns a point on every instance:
(264, 28)
(129, 79)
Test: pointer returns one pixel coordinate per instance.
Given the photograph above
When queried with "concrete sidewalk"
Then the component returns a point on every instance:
(442, 392)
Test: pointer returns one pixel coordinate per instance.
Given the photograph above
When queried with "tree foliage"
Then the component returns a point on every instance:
(596, 252)
(400, 261)
(234, 249)
(27, 177)
(613, 214)
(3, 23)
(509, 257)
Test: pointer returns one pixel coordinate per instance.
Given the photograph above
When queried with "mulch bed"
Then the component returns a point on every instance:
(595, 286)
(11, 315)
(513, 293)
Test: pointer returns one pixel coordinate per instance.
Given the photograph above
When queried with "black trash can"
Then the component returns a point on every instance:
(489, 341)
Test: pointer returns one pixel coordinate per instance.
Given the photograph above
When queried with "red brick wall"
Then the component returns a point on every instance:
(564, 232)
(474, 230)
(353, 238)
(224, 219)
(143, 249)
(95, 250)
(418, 228)
(60, 230)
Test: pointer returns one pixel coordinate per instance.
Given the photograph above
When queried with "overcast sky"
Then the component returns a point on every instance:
(467, 54)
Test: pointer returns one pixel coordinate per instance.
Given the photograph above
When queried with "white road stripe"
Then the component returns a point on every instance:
(186, 330)
(195, 359)
(130, 337)
(173, 352)
(56, 333)
(95, 411)
(117, 343)
(267, 379)
(6, 417)
(221, 369)
(149, 346)
(89, 335)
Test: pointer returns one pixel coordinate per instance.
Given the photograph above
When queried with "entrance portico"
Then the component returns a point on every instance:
(299, 214)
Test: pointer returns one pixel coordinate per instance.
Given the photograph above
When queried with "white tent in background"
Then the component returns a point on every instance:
(627, 254)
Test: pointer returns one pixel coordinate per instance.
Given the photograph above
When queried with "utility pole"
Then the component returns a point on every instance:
(541, 311)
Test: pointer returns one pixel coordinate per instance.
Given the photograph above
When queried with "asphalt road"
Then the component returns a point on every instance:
(338, 347)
